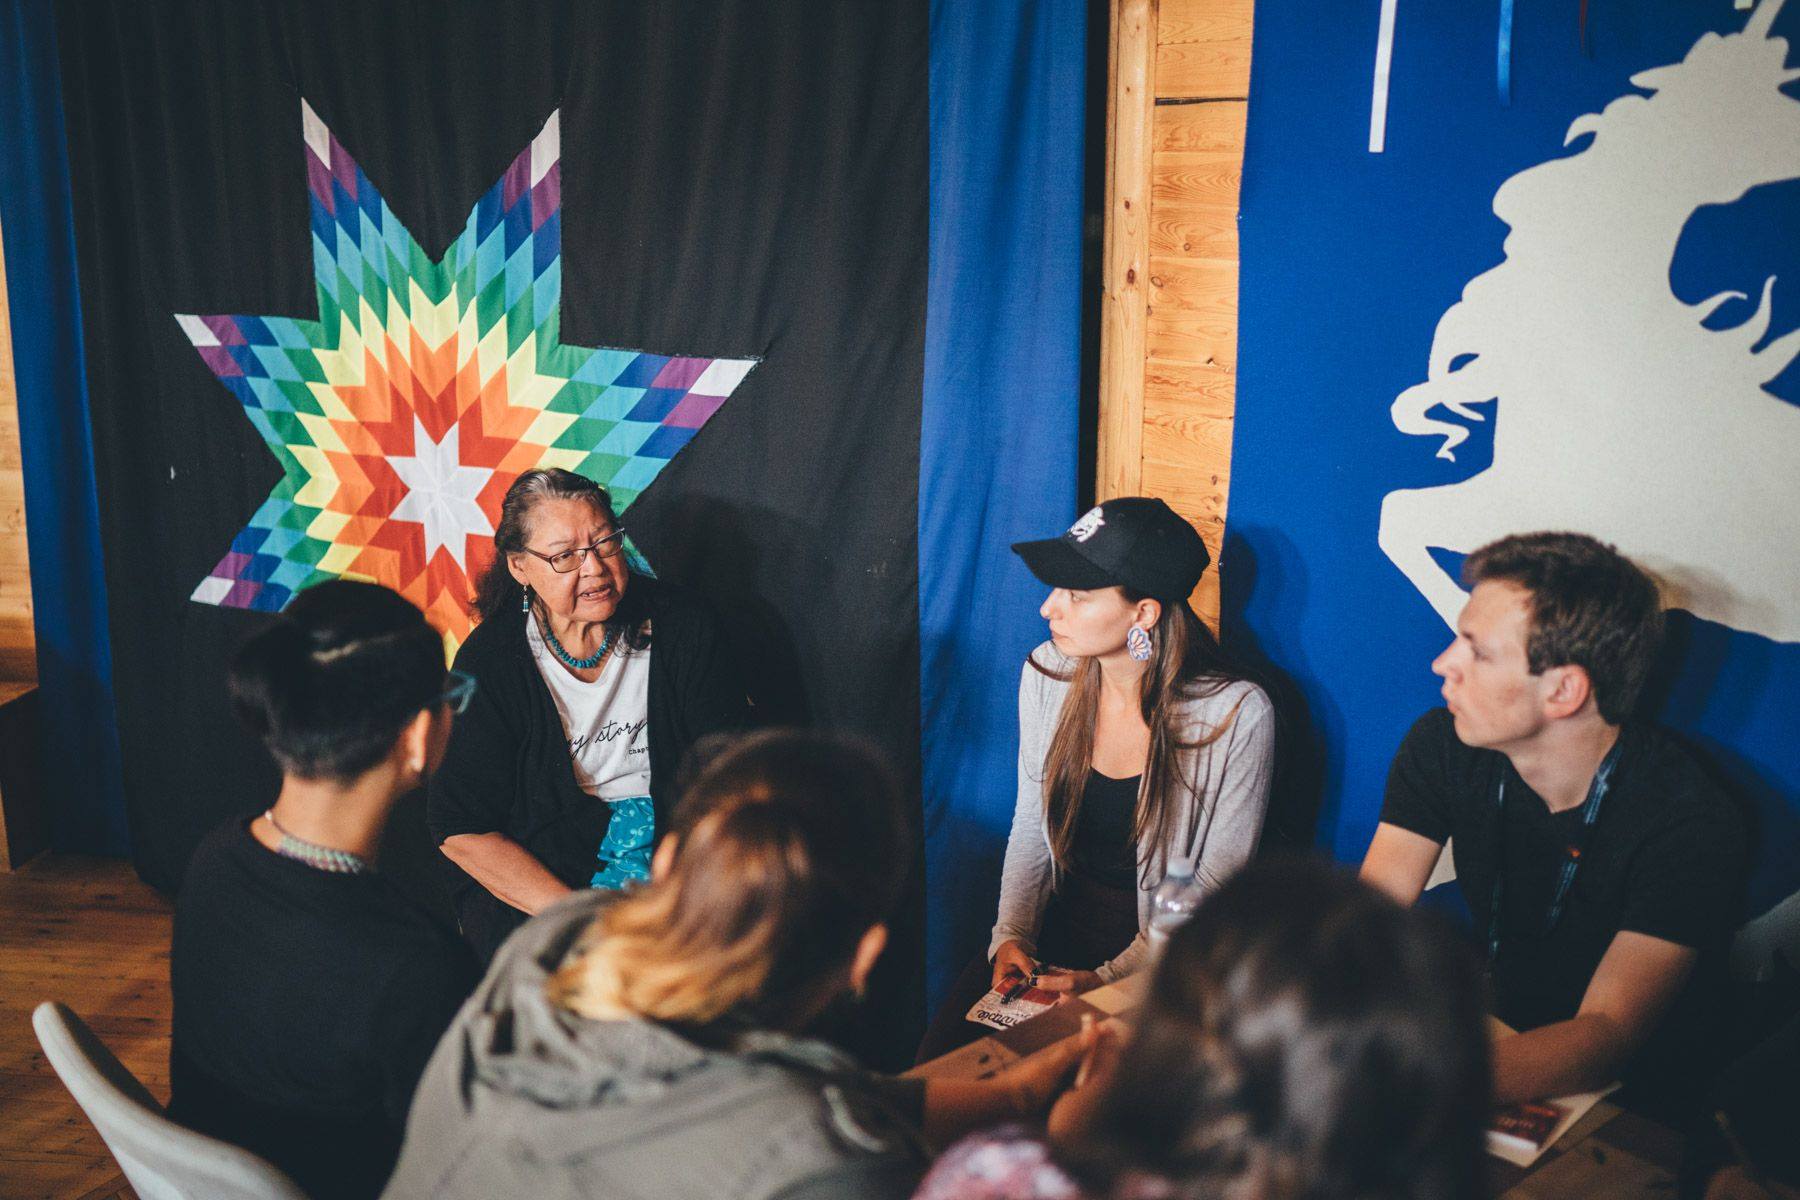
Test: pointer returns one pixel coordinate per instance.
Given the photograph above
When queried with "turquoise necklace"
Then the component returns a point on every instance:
(569, 660)
(323, 858)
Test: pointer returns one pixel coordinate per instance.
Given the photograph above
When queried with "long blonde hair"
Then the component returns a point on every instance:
(790, 846)
(1186, 663)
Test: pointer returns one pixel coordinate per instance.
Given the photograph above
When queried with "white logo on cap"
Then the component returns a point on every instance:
(1084, 529)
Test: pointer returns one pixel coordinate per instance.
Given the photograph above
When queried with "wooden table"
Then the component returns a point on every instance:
(1608, 1152)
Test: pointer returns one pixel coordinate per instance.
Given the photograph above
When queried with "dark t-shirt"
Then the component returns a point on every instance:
(1104, 847)
(306, 1004)
(1666, 857)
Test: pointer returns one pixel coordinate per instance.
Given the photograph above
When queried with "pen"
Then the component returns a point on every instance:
(1736, 1146)
(1025, 983)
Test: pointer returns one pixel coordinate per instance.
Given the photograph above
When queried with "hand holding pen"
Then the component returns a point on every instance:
(1020, 985)
(1012, 961)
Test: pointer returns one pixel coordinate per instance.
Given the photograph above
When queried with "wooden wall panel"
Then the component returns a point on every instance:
(1203, 49)
(1194, 231)
(1217, 126)
(1179, 394)
(1224, 23)
(18, 642)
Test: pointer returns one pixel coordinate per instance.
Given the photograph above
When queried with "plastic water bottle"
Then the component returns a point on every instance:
(1174, 900)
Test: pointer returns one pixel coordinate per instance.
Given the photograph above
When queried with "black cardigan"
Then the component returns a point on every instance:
(507, 768)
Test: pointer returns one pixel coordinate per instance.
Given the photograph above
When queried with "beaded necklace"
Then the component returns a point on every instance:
(569, 660)
(324, 858)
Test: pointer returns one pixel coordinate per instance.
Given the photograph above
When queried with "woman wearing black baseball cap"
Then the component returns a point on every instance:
(1140, 748)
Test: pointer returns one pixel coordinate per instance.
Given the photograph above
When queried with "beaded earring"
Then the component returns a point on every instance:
(525, 600)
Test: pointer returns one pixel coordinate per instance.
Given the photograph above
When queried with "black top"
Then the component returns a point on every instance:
(507, 769)
(306, 1005)
(1666, 857)
(1104, 849)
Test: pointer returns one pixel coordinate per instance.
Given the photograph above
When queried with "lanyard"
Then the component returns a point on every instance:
(1590, 812)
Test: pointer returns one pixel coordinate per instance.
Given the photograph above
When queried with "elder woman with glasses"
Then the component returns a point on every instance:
(594, 681)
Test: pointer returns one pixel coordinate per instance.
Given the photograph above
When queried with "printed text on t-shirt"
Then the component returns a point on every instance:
(609, 732)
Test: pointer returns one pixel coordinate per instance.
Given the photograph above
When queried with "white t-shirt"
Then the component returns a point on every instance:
(604, 720)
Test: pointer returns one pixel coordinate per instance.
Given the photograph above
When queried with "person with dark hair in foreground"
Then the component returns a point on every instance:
(653, 1042)
(1602, 867)
(595, 680)
(1303, 1036)
(308, 991)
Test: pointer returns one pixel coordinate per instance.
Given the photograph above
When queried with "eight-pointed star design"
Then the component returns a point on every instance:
(441, 494)
(426, 385)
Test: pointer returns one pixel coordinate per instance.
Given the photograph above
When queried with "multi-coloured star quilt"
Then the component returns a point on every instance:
(402, 414)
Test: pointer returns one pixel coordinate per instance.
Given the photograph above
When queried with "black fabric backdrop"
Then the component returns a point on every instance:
(739, 179)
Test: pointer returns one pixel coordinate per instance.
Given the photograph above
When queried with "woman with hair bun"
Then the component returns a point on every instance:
(654, 1042)
(308, 990)
(594, 682)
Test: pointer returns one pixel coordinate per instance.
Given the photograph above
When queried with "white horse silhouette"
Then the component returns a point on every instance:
(1619, 414)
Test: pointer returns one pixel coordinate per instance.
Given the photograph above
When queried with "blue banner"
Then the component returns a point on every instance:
(998, 428)
(1575, 311)
(82, 783)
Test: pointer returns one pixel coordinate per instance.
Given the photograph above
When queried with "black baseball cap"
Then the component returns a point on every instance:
(1134, 541)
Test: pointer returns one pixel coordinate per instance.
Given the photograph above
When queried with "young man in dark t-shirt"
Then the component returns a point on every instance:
(308, 991)
(307, 1003)
(1601, 866)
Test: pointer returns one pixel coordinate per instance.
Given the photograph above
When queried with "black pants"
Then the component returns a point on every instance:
(1085, 924)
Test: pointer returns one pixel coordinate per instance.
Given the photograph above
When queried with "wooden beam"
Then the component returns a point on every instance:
(1124, 302)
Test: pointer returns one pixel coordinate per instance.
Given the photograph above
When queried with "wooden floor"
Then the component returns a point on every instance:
(84, 931)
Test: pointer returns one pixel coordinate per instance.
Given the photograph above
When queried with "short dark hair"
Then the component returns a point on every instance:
(1591, 607)
(1303, 1036)
(334, 679)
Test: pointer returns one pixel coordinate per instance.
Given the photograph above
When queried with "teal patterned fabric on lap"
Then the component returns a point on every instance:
(625, 851)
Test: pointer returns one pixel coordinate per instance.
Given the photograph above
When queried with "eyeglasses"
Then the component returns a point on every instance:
(457, 695)
(607, 547)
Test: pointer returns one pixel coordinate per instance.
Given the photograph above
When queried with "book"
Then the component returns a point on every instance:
(1516, 1135)
(1525, 1128)
(1521, 1133)
(997, 1012)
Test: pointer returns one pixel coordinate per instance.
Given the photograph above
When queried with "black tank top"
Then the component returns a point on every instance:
(1104, 849)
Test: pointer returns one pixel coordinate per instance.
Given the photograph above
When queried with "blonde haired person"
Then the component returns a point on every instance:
(652, 1043)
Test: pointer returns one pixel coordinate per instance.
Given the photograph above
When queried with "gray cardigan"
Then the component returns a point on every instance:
(1220, 822)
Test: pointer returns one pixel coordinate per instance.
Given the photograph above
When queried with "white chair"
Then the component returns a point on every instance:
(163, 1160)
